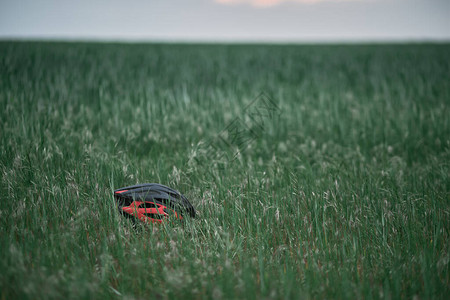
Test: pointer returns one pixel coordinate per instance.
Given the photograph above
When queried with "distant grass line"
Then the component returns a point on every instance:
(345, 195)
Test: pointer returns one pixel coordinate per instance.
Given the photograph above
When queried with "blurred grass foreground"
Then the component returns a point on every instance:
(343, 193)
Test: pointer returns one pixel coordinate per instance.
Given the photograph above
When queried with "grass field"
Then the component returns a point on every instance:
(344, 192)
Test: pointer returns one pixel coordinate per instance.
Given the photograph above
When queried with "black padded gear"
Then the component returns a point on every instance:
(154, 192)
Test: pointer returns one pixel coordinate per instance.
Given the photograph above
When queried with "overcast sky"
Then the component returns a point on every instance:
(227, 20)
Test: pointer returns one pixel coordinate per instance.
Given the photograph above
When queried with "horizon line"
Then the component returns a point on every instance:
(225, 40)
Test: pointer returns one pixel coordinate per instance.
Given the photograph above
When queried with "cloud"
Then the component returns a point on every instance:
(267, 3)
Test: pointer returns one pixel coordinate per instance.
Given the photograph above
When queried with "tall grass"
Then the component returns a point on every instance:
(344, 195)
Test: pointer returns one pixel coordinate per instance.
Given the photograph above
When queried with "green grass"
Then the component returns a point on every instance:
(346, 194)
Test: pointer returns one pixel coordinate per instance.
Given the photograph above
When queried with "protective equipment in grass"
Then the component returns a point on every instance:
(152, 203)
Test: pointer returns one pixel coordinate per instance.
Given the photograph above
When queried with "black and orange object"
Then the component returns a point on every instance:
(153, 203)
